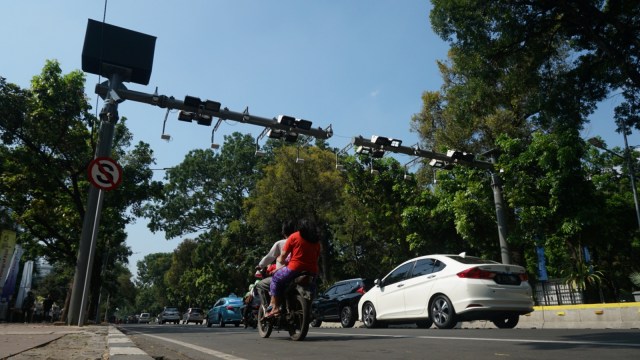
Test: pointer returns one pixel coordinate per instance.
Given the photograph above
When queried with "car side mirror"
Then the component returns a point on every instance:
(377, 282)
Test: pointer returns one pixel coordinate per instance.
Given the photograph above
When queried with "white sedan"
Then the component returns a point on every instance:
(446, 289)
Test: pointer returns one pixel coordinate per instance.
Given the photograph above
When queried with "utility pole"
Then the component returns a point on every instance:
(91, 223)
(498, 200)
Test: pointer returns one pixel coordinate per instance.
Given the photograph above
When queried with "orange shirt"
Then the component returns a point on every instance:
(304, 254)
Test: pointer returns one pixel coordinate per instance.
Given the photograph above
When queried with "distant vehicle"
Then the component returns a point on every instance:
(339, 303)
(226, 310)
(170, 314)
(144, 318)
(446, 289)
(193, 315)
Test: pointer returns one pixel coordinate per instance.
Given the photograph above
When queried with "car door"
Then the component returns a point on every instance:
(417, 288)
(328, 304)
(215, 311)
(391, 299)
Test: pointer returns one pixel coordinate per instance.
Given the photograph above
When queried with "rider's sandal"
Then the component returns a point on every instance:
(273, 314)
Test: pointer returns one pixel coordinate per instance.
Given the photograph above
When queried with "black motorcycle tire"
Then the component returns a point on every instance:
(264, 327)
(301, 317)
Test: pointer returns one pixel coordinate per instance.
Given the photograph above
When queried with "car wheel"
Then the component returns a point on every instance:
(208, 323)
(347, 317)
(424, 324)
(441, 312)
(508, 322)
(369, 316)
(221, 321)
(315, 322)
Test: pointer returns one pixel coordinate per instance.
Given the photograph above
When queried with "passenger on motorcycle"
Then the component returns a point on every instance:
(288, 227)
(304, 248)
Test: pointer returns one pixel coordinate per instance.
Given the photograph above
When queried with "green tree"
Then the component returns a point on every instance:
(48, 139)
(292, 190)
(204, 197)
(150, 282)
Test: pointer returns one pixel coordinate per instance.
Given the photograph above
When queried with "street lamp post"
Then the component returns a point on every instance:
(627, 157)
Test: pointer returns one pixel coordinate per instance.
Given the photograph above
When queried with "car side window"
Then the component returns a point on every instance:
(439, 265)
(423, 267)
(398, 274)
(332, 290)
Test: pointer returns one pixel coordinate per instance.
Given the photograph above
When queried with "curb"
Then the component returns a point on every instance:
(122, 348)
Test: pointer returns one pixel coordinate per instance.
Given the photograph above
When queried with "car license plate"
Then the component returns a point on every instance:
(507, 279)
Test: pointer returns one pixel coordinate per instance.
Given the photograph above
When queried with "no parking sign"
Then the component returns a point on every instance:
(105, 173)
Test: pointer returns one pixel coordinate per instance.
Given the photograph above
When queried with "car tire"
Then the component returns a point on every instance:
(347, 317)
(208, 323)
(369, 316)
(315, 322)
(221, 321)
(424, 324)
(441, 312)
(507, 322)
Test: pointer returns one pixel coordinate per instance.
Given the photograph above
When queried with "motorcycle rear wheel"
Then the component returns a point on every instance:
(300, 314)
(264, 327)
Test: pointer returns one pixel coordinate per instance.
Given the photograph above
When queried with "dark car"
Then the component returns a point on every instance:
(339, 303)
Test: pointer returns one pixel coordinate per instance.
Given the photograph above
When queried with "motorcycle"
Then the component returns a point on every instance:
(295, 310)
(250, 318)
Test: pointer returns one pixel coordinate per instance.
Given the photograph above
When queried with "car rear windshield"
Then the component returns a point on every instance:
(471, 260)
(171, 309)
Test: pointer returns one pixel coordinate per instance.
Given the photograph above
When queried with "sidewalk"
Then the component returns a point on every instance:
(48, 341)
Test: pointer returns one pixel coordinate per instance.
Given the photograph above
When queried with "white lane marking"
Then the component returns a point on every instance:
(207, 351)
(572, 342)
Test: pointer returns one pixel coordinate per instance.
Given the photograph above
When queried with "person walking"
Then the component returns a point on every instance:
(28, 305)
(46, 308)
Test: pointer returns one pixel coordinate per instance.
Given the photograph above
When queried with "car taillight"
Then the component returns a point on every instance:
(476, 273)
(524, 277)
(361, 290)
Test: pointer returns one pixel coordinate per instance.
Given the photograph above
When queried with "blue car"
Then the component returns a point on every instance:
(226, 310)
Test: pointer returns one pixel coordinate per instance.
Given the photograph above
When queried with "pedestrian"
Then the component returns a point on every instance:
(28, 305)
(46, 307)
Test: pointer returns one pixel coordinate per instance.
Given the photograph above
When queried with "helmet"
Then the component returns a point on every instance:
(258, 274)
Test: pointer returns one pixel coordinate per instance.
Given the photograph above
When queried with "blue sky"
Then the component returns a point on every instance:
(358, 65)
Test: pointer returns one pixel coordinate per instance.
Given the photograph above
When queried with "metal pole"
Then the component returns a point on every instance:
(108, 119)
(630, 167)
(496, 186)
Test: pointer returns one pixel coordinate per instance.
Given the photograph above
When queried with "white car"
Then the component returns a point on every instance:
(446, 289)
(169, 315)
(144, 318)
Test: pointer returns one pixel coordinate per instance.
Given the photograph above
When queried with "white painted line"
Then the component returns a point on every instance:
(599, 343)
(218, 354)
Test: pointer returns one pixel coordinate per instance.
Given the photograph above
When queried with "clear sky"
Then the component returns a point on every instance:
(358, 65)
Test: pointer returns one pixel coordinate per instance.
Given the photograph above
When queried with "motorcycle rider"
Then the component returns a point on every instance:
(267, 262)
(304, 248)
(250, 300)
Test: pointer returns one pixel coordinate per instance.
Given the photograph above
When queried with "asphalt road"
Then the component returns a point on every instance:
(182, 342)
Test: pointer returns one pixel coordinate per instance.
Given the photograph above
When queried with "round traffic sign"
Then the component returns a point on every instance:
(105, 173)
